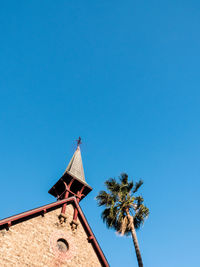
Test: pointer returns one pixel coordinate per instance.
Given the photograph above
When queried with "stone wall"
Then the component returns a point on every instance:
(34, 243)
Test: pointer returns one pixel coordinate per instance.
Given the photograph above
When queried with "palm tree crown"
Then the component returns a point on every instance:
(124, 211)
(121, 197)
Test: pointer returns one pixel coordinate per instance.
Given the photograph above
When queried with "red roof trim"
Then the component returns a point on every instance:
(7, 222)
(91, 236)
(45, 208)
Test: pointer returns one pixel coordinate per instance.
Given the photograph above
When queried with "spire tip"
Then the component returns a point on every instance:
(79, 142)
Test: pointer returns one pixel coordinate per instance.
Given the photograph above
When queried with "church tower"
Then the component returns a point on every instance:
(56, 234)
(72, 183)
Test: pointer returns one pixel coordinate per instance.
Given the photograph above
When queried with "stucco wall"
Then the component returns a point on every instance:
(34, 243)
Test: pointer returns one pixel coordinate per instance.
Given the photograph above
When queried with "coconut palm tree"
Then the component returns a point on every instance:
(123, 211)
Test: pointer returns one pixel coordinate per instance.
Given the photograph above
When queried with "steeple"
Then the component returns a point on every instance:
(75, 166)
(72, 183)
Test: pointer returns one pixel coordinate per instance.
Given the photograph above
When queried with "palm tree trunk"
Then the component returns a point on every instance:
(135, 241)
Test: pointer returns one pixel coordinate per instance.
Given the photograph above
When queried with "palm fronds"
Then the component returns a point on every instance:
(119, 198)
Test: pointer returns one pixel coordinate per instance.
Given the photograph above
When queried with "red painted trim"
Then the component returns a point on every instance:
(66, 194)
(82, 182)
(64, 205)
(7, 222)
(91, 236)
(35, 211)
(53, 190)
(79, 195)
(75, 214)
(59, 197)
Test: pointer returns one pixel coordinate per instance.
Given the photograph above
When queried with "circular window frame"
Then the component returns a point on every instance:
(63, 245)
(61, 255)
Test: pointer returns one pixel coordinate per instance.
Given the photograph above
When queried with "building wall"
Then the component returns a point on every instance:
(34, 243)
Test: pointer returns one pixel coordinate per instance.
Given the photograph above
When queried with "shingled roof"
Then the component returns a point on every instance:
(75, 166)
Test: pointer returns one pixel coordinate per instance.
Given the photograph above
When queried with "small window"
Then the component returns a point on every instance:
(62, 245)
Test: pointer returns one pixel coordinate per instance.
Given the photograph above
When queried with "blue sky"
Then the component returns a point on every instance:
(124, 75)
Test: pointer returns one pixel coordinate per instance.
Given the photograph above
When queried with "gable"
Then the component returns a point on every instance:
(44, 241)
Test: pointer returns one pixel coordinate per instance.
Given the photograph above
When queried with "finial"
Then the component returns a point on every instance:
(79, 141)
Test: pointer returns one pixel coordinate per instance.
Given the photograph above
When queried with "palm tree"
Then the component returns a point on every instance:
(124, 211)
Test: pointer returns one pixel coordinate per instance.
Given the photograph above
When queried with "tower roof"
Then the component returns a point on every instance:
(73, 179)
(75, 166)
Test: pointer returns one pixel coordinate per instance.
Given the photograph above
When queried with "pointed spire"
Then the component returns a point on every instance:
(75, 166)
(73, 178)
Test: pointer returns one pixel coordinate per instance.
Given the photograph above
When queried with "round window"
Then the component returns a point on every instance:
(62, 245)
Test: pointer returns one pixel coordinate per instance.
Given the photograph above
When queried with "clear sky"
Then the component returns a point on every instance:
(123, 75)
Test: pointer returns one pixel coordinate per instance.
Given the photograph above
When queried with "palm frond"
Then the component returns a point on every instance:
(112, 185)
(103, 198)
(130, 186)
(137, 186)
(140, 216)
(138, 201)
(123, 178)
(109, 216)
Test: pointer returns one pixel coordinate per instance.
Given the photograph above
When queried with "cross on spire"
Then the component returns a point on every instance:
(79, 141)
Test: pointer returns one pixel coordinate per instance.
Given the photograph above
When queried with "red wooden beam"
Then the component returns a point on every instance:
(66, 194)
(79, 196)
(35, 211)
(91, 236)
